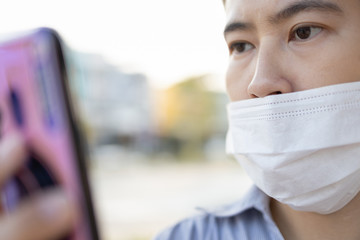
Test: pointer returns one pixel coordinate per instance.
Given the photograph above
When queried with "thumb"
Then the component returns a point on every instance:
(12, 155)
(45, 216)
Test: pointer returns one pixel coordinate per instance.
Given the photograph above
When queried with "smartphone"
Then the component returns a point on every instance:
(35, 101)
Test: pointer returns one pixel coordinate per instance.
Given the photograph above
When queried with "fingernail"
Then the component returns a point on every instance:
(12, 144)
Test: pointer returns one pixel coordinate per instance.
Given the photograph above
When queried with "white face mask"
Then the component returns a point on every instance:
(301, 148)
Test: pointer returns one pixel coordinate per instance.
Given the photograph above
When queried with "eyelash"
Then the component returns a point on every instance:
(292, 37)
(244, 45)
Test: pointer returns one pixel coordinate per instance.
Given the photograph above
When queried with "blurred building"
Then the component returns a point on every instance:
(116, 106)
(187, 120)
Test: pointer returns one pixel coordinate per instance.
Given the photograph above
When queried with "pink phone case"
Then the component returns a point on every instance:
(34, 101)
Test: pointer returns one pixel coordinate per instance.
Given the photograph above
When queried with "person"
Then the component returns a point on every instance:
(294, 122)
(294, 84)
(45, 216)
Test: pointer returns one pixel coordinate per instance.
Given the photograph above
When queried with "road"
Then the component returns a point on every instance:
(135, 201)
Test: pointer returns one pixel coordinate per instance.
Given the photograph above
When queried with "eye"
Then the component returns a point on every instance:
(240, 47)
(304, 33)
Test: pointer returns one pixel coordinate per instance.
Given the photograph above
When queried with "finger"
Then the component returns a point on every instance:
(12, 155)
(44, 217)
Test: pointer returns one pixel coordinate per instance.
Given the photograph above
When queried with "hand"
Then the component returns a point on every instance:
(45, 216)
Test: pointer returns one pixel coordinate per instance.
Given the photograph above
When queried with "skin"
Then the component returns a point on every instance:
(274, 61)
(273, 53)
(46, 216)
(268, 58)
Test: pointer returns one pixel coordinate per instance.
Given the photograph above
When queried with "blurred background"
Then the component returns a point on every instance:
(148, 82)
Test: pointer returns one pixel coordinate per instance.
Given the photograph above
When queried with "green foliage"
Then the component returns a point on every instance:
(195, 114)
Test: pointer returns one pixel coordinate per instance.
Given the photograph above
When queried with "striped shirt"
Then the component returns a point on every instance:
(249, 218)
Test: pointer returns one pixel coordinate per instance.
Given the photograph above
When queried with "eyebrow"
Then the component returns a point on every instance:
(288, 12)
(238, 26)
(302, 6)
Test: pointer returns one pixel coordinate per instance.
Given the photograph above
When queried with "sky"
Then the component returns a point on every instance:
(168, 40)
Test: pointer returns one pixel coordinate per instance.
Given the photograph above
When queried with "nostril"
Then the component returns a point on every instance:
(275, 93)
(253, 96)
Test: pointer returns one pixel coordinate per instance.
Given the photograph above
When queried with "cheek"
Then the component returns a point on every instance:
(237, 82)
(341, 67)
(350, 67)
(326, 67)
(341, 60)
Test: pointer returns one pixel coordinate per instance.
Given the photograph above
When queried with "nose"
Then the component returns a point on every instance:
(269, 76)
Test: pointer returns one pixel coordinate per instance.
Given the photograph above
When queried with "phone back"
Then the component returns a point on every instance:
(34, 100)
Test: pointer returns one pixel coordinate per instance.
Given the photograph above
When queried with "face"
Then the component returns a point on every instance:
(282, 46)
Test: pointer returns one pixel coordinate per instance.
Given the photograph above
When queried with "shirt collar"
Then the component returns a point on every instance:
(254, 199)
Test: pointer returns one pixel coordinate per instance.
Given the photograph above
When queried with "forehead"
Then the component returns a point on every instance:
(255, 9)
(251, 4)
